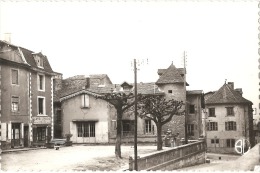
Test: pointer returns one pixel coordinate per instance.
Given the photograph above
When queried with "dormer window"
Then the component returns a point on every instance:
(39, 61)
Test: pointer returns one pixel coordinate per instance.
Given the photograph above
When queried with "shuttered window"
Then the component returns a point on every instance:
(14, 76)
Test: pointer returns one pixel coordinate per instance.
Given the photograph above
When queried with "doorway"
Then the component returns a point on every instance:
(26, 136)
(15, 136)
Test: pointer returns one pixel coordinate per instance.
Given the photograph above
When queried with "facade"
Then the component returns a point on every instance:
(256, 128)
(195, 106)
(229, 118)
(26, 97)
(79, 112)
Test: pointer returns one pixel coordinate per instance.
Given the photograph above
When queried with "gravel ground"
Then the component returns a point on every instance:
(75, 158)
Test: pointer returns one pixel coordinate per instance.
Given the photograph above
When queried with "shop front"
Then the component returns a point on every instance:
(41, 127)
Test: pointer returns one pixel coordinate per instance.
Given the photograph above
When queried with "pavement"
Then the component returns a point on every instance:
(81, 158)
(73, 158)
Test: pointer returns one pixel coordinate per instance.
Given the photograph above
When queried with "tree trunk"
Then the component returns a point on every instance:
(159, 136)
(118, 133)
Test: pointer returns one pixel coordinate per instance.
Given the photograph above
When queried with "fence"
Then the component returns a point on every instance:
(170, 159)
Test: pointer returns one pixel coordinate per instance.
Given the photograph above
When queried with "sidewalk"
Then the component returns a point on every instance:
(21, 149)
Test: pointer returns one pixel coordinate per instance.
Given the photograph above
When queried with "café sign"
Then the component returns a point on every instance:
(41, 120)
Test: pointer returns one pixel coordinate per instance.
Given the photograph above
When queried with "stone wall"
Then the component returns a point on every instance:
(171, 159)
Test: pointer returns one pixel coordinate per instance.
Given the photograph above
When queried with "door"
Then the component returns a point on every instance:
(26, 136)
(15, 135)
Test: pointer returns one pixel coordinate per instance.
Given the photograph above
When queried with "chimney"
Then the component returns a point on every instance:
(87, 82)
(239, 90)
(7, 37)
(231, 85)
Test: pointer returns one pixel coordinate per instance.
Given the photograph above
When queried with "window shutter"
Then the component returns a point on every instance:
(85, 100)
(3, 131)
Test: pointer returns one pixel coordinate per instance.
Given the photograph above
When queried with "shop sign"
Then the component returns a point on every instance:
(41, 120)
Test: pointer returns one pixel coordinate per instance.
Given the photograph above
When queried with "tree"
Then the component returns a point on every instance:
(159, 110)
(121, 102)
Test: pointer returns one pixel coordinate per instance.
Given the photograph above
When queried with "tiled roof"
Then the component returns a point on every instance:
(28, 55)
(190, 92)
(226, 95)
(171, 75)
(73, 85)
(180, 70)
(99, 76)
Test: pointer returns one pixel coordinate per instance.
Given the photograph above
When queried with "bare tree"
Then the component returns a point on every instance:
(121, 102)
(159, 110)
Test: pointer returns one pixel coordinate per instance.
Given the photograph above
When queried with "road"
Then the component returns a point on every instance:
(75, 158)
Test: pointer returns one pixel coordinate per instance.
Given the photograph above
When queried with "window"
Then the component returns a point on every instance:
(85, 101)
(170, 91)
(86, 129)
(41, 82)
(39, 61)
(58, 116)
(113, 124)
(41, 106)
(15, 104)
(230, 143)
(148, 127)
(192, 109)
(14, 76)
(190, 129)
(215, 141)
(41, 133)
(212, 112)
(230, 111)
(212, 126)
(128, 127)
(231, 125)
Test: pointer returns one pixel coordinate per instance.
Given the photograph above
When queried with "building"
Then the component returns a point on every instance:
(256, 124)
(78, 109)
(26, 109)
(173, 83)
(229, 118)
(79, 112)
(91, 120)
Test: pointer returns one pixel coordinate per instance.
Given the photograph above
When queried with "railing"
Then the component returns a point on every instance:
(165, 160)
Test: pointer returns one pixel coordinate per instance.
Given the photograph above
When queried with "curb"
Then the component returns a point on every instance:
(21, 149)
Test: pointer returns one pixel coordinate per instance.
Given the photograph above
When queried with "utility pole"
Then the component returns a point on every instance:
(135, 135)
(185, 112)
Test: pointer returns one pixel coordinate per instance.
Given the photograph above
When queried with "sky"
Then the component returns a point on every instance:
(220, 39)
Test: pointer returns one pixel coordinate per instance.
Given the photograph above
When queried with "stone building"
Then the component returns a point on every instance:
(26, 82)
(173, 83)
(229, 118)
